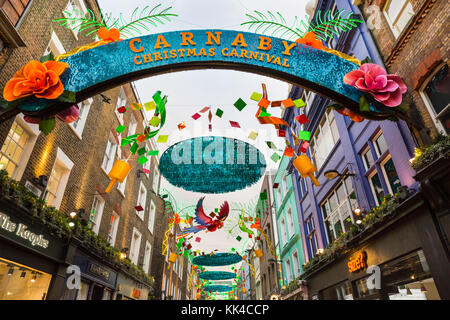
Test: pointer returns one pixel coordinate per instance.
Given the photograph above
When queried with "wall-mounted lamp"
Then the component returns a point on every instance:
(41, 181)
(332, 174)
(123, 253)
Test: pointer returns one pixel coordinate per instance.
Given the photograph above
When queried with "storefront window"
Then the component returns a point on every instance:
(409, 278)
(342, 291)
(18, 282)
(82, 293)
(362, 289)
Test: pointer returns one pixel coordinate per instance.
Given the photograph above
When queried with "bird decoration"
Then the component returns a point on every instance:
(205, 222)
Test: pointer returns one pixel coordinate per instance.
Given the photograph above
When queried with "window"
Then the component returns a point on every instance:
(58, 179)
(121, 186)
(156, 180)
(290, 221)
(54, 46)
(368, 159)
(376, 186)
(337, 210)
(14, 10)
(288, 270)
(296, 263)
(324, 139)
(77, 8)
(390, 175)
(13, 148)
(96, 213)
(284, 183)
(310, 96)
(121, 102)
(110, 153)
(342, 291)
(436, 96)
(142, 198)
(303, 187)
(84, 107)
(132, 126)
(135, 246)
(283, 232)
(380, 144)
(147, 255)
(398, 13)
(113, 226)
(312, 239)
(151, 216)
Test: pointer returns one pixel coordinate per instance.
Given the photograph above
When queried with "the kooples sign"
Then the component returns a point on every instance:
(21, 230)
(213, 46)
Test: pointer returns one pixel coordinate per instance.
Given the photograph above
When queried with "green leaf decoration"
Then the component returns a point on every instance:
(68, 96)
(141, 20)
(275, 25)
(327, 25)
(47, 125)
(49, 57)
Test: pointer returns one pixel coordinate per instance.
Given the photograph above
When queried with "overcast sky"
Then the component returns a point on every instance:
(189, 91)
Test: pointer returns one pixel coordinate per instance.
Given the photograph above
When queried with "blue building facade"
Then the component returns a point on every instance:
(288, 226)
(372, 156)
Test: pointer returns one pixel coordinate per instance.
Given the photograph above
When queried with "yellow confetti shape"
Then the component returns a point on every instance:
(266, 236)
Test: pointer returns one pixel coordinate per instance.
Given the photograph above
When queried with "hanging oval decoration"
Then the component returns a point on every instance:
(208, 164)
(217, 260)
(217, 275)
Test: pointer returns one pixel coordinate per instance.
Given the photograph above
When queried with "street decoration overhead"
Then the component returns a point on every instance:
(208, 222)
(206, 164)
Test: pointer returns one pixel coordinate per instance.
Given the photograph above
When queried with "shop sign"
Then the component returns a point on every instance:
(21, 231)
(136, 293)
(360, 263)
(98, 271)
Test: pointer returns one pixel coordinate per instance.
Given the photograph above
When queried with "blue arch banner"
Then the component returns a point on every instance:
(95, 70)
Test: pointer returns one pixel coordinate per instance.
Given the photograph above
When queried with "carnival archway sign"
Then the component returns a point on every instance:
(103, 67)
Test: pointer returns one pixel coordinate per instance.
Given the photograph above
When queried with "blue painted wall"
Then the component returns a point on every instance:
(346, 153)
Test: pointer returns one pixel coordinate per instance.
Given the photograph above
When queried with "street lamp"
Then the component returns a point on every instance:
(332, 174)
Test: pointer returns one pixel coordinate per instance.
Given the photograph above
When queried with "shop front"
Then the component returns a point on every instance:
(391, 263)
(98, 281)
(130, 289)
(31, 260)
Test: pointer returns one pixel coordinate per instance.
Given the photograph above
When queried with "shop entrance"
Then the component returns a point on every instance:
(97, 292)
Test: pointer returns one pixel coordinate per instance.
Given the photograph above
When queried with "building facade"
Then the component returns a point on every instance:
(68, 171)
(268, 267)
(289, 232)
(412, 37)
(370, 160)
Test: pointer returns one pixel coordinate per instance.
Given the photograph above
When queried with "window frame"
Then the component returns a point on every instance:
(141, 214)
(151, 216)
(62, 160)
(134, 256)
(429, 105)
(80, 5)
(84, 107)
(33, 132)
(318, 135)
(147, 257)
(98, 214)
(393, 23)
(112, 155)
(112, 234)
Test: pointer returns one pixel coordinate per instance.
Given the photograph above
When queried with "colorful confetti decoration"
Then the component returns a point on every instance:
(182, 126)
(162, 139)
(302, 119)
(234, 124)
(275, 157)
(253, 135)
(240, 104)
(256, 96)
(304, 135)
(196, 116)
(219, 113)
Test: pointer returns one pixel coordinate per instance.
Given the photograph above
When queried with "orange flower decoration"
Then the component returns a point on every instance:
(40, 79)
(175, 219)
(112, 35)
(310, 40)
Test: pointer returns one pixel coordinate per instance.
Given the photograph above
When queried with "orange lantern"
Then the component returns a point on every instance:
(305, 167)
(118, 173)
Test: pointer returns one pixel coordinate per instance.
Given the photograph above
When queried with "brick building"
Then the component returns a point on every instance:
(412, 38)
(175, 280)
(75, 159)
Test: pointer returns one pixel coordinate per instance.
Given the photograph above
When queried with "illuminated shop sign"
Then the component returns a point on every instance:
(360, 263)
(99, 271)
(21, 230)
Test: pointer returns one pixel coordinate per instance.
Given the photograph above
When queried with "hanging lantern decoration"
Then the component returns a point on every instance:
(118, 173)
(172, 259)
(305, 167)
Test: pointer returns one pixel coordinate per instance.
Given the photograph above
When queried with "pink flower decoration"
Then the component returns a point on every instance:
(386, 88)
